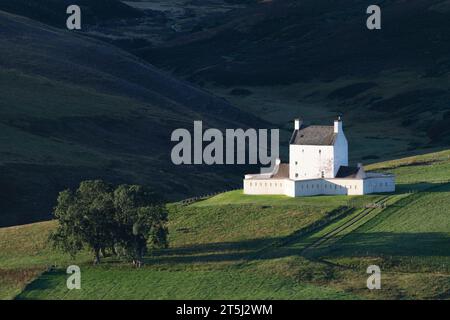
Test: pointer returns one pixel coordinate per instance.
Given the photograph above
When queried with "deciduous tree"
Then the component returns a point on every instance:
(86, 219)
(98, 217)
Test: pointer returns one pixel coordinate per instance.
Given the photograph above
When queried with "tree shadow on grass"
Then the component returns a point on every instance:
(208, 248)
(422, 186)
(398, 244)
(366, 244)
(44, 282)
(210, 252)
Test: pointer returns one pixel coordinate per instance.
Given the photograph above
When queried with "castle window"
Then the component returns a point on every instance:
(320, 151)
(296, 162)
(323, 174)
(296, 175)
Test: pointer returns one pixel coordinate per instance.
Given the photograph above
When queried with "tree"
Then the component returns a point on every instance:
(98, 217)
(141, 217)
(86, 219)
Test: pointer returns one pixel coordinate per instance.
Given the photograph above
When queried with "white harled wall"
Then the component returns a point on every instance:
(265, 186)
(379, 184)
(308, 162)
(311, 187)
(340, 156)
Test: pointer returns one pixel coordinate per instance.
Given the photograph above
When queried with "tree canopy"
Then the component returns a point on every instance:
(122, 220)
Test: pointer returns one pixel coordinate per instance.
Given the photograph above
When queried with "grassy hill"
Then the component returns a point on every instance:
(75, 108)
(234, 246)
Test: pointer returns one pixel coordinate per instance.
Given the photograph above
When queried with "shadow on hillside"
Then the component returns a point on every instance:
(45, 281)
(399, 244)
(361, 244)
(422, 186)
(211, 252)
(209, 248)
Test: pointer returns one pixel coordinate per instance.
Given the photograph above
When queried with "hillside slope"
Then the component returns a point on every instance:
(53, 12)
(74, 108)
(234, 246)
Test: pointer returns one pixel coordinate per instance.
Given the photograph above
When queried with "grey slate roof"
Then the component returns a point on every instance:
(314, 135)
(283, 171)
(347, 172)
(280, 172)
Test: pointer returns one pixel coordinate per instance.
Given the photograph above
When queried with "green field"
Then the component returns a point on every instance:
(231, 283)
(233, 246)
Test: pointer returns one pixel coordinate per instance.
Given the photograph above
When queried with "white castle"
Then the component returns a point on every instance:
(318, 164)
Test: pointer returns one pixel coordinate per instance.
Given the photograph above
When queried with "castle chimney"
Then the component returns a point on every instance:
(338, 125)
(298, 123)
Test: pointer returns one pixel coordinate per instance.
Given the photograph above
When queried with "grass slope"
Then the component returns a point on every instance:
(406, 228)
(168, 284)
(234, 246)
(24, 254)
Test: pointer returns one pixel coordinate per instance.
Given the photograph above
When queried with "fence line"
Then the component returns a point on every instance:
(205, 196)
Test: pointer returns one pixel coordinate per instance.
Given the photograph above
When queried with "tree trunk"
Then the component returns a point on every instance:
(97, 256)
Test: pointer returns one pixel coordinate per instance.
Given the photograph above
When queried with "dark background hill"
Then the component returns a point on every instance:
(75, 108)
(53, 12)
(285, 41)
(282, 58)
